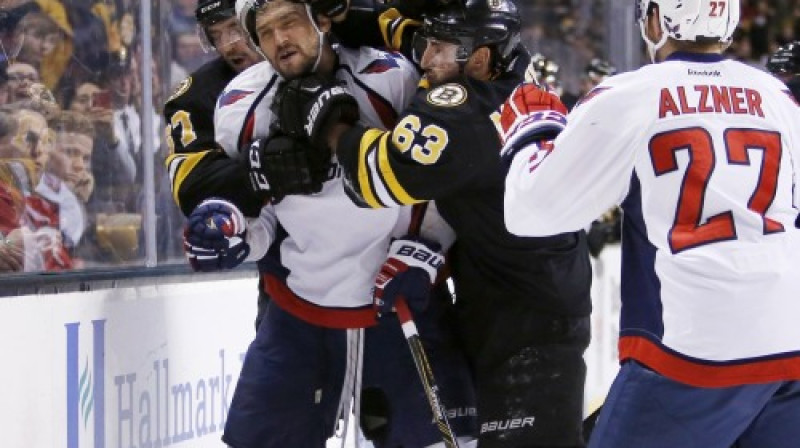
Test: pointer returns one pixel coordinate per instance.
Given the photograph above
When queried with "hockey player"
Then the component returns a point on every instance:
(305, 362)
(523, 302)
(702, 155)
(194, 160)
(785, 64)
(189, 112)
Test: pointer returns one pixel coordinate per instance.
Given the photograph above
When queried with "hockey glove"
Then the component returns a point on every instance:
(409, 271)
(307, 107)
(214, 236)
(280, 166)
(530, 115)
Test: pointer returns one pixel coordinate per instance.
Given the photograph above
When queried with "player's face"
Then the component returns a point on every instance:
(228, 38)
(439, 61)
(287, 37)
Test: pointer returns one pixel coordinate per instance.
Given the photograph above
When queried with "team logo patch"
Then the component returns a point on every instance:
(233, 96)
(448, 95)
(181, 88)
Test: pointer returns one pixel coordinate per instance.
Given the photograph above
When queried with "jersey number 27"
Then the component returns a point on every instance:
(687, 231)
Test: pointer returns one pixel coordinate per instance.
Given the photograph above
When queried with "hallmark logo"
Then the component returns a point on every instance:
(85, 387)
(712, 73)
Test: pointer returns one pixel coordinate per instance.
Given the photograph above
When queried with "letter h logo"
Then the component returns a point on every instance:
(85, 385)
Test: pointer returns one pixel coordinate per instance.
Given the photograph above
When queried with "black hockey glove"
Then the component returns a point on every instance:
(281, 166)
(307, 107)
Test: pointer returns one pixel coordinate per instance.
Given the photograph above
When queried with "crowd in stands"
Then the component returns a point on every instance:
(71, 113)
(71, 127)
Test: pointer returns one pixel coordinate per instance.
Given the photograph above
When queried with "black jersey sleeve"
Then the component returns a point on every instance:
(442, 142)
(199, 175)
(197, 168)
(378, 25)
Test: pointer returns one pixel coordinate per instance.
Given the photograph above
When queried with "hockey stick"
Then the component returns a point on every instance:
(425, 372)
(418, 351)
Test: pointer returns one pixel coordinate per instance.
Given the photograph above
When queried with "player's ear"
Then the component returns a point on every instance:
(653, 28)
(324, 23)
(481, 60)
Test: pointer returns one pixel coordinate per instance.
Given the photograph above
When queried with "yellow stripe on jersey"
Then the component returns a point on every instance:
(389, 179)
(186, 163)
(392, 24)
(364, 178)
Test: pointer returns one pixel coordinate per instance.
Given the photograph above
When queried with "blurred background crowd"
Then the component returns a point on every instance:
(73, 108)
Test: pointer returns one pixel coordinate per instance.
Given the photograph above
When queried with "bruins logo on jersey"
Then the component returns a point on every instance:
(181, 88)
(448, 95)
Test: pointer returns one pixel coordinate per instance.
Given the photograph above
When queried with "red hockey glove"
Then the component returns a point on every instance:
(530, 114)
(409, 271)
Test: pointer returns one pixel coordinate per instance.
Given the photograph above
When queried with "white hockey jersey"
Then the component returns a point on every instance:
(703, 154)
(334, 248)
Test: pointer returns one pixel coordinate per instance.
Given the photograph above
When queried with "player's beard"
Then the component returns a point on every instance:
(293, 71)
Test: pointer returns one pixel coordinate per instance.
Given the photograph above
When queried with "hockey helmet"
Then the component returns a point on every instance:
(598, 70)
(690, 20)
(209, 12)
(472, 24)
(786, 60)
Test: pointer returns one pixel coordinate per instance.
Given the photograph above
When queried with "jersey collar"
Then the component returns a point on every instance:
(695, 57)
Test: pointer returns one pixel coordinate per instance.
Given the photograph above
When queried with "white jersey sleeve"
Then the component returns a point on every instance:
(597, 160)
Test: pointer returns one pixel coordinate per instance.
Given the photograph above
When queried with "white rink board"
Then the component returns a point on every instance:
(158, 343)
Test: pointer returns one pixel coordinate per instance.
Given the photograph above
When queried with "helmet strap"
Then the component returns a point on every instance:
(320, 37)
(653, 47)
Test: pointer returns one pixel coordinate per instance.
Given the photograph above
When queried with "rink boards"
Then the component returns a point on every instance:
(154, 363)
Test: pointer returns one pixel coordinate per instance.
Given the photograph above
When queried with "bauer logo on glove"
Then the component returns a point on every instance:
(409, 272)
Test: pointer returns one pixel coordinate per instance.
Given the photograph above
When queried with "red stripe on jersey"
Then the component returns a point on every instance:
(698, 374)
(384, 110)
(246, 137)
(340, 318)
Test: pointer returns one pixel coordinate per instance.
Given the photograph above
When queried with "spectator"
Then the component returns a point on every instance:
(127, 128)
(4, 96)
(90, 43)
(21, 76)
(65, 169)
(46, 41)
(181, 17)
(187, 50)
(34, 137)
(11, 37)
(74, 138)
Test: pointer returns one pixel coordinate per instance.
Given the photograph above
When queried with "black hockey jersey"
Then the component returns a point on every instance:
(445, 147)
(197, 166)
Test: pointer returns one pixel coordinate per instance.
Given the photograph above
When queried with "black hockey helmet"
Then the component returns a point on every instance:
(598, 69)
(547, 70)
(786, 60)
(472, 24)
(209, 12)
